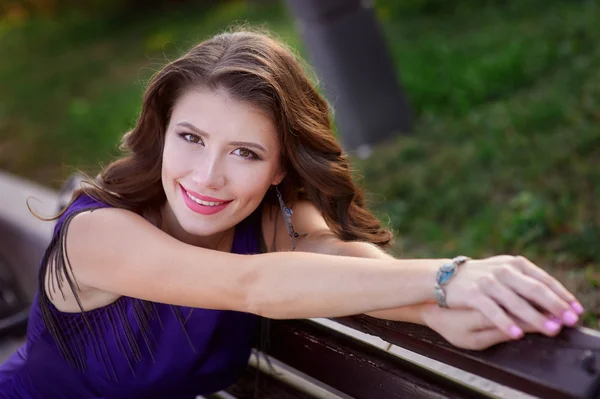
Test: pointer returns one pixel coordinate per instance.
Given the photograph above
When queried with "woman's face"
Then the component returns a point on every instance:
(220, 157)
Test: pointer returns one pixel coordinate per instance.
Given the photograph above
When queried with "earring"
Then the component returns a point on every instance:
(287, 219)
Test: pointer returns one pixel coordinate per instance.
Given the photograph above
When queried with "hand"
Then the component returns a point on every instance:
(466, 328)
(510, 288)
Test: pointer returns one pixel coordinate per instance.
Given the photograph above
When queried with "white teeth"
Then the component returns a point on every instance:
(205, 203)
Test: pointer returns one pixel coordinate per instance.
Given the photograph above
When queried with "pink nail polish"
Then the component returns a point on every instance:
(577, 307)
(515, 332)
(569, 317)
(551, 326)
(555, 319)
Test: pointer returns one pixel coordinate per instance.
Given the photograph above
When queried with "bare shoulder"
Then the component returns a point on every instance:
(119, 253)
(307, 220)
(97, 223)
(84, 233)
(112, 235)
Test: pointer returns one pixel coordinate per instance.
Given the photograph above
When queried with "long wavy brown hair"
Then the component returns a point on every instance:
(259, 70)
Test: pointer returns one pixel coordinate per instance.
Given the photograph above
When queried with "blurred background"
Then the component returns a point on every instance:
(497, 146)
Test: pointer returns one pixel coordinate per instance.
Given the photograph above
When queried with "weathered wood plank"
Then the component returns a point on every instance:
(355, 368)
(567, 366)
(268, 387)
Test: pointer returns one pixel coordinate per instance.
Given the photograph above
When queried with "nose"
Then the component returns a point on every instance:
(209, 172)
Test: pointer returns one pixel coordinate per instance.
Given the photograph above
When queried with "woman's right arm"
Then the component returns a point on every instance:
(118, 252)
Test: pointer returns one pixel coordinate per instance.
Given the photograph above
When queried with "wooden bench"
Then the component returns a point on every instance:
(567, 366)
(312, 360)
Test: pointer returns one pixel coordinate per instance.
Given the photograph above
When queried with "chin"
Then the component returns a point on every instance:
(200, 228)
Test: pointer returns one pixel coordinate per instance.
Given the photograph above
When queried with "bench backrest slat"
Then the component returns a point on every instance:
(567, 366)
(268, 387)
(355, 368)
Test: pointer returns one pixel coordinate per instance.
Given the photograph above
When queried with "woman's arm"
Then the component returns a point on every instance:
(117, 251)
(464, 328)
(411, 313)
(319, 239)
(494, 287)
(329, 243)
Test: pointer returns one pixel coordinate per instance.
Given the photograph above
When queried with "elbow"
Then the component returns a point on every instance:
(264, 310)
(257, 302)
(259, 299)
(253, 292)
(265, 293)
(261, 305)
(252, 304)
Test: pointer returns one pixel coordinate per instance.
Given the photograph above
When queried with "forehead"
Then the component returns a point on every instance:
(219, 114)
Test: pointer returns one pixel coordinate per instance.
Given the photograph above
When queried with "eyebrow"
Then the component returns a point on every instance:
(248, 144)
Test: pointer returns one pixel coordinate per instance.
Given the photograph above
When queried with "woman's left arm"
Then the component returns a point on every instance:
(465, 328)
(318, 238)
(327, 242)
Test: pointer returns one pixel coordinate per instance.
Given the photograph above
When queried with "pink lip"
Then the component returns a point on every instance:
(202, 209)
(203, 197)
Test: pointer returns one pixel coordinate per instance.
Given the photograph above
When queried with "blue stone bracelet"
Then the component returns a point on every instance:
(443, 276)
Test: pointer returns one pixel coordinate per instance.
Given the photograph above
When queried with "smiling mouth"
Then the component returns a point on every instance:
(205, 203)
(202, 202)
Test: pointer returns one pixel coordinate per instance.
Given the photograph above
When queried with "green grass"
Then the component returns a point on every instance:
(504, 157)
(74, 84)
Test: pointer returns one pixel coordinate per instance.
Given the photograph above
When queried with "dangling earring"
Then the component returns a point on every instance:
(287, 219)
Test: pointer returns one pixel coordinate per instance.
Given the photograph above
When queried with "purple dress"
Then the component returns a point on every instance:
(131, 348)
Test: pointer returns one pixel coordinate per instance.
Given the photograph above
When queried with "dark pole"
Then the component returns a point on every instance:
(349, 54)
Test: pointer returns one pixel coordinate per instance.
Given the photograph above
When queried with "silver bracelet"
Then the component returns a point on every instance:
(443, 276)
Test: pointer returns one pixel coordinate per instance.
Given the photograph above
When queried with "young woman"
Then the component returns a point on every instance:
(234, 201)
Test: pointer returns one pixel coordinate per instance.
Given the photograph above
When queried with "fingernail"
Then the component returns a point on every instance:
(555, 319)
(569, 317)
(551, 326)
(577, 307)
(515, 331)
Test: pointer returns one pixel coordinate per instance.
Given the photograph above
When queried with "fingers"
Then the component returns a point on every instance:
(538, 293)
(470, 328)
(526, 327)
(519, 307)
(474, 320)
(477, 321)
(471, 319)
(530, 269)
(496, 315)
(488, 336)
(485, 338)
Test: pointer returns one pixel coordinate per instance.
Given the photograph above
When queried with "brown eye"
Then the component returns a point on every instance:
(191, 138)
(246, 153)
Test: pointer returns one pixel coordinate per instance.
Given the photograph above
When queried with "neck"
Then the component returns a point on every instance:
(220, 241)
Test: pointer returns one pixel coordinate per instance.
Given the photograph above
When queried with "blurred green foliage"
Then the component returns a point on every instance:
(23, 9)
(505, 156)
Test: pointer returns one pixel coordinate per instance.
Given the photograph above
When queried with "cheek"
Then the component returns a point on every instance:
(173, 163)
(251, 182)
